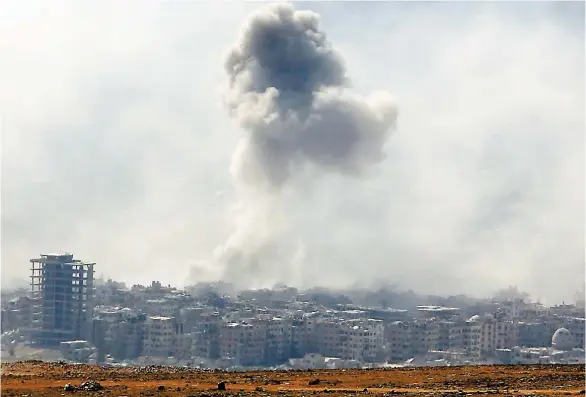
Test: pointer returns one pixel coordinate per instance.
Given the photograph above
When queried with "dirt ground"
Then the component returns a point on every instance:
(35, 378)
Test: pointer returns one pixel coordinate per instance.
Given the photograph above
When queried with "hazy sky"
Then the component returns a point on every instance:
(116, 145)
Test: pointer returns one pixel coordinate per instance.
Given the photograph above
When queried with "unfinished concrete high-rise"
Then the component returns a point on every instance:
(62, 290)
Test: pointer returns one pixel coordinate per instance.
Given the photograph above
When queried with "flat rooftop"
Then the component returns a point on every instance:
(437, 309)
(63, 258)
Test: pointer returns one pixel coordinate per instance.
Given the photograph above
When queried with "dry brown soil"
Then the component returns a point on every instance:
(35, 378)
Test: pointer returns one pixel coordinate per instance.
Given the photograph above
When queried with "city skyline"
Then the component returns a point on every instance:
(67, 316)
(510, 292)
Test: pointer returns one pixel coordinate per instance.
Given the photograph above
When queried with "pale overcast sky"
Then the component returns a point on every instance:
(116, 145)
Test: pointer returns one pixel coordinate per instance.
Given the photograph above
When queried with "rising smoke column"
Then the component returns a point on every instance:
(289, 91)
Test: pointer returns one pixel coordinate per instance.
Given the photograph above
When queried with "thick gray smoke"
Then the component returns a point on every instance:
(289, 91)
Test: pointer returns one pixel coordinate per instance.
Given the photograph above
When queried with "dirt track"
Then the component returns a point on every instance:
(42, 379)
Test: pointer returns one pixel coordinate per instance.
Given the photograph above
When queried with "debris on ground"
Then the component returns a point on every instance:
(69, 387)
(90, 385)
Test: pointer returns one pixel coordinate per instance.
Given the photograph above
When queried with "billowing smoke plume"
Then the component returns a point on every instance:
(288, 89)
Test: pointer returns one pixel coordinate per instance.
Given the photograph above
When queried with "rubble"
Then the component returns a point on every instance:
(90, 386)
(68, 387)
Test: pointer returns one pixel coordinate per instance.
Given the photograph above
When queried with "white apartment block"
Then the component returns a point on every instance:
(245, 343)
(77, 350)
(406, 341)
(465, 336)
(159, 336)
(497, 334)
(512, 308)
(351, 339)
(366, 339)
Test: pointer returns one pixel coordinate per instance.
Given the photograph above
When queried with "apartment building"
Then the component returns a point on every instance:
(62, 289)
(190, 317)
(310, 334)
(112, 293)
(465, 336)
(160, 335)
(533, 334)
(437, 312)
(576, 327)
(161, 307)
(365, 340)
(279, 339)
(329, 338)
(127, 337)
(79, 351)
(407, 340)
(497, 333)
(360, 339)
(118, 332)
(299, 339)
(398, 337)
(513, 308)
(532, 311)
(443, 338)
(206, 335)
(183, 345)
(424, 337)
(244, 343)
(17, 313)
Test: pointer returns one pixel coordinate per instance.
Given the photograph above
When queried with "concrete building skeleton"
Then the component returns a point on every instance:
(62, 292)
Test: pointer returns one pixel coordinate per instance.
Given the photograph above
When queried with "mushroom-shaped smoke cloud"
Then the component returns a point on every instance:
(289, 91)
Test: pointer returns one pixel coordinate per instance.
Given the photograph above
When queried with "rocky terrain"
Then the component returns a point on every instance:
(34, 378)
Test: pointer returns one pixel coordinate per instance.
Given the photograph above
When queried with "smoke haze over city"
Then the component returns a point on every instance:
(433, 146)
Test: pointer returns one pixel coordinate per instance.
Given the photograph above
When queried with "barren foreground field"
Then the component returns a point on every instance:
(43, 379)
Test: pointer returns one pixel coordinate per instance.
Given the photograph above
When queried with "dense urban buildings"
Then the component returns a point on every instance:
(214, 326)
